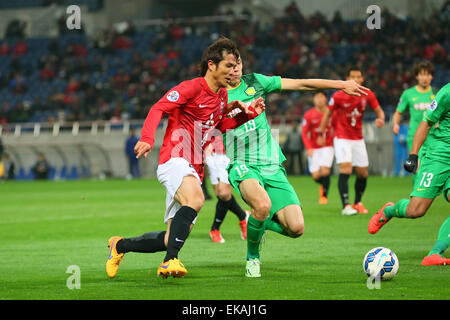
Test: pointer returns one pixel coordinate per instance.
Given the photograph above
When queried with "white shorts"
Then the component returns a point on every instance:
(170, 175)
(353, 151)
(322, 157)
(217, 168)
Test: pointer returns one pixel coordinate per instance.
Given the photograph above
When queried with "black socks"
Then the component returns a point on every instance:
(221, 210)
(343, 188)
(325, 183)
(179, 231)
(147, 243)
(360, 186)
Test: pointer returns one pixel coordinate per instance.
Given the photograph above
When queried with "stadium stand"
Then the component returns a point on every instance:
(120, 75)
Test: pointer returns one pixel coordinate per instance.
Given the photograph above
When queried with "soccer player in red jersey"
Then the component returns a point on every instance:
(195, 107)
(320, 158)
(349, 146)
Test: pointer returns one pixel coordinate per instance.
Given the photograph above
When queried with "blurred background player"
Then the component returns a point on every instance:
(133, 163)
(349, 146)
(194, 107)
(433, 176)
(320, 158)
(416, 100)
(293, 148)
(256, 170)
(217, 163)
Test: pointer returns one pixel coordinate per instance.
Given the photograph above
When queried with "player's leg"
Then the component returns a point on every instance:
(223, 194)
(343, 152)
(257, 198)
(345, 170)
(360, 160)
(360, 186)
(325, 179)
(291, 219)
(286, 216)
(435, 256)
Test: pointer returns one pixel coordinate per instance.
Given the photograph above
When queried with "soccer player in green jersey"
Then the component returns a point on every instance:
(255, 168)
(416, 99)
(433, 177)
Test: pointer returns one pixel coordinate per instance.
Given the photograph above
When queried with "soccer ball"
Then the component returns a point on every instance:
(380, 262)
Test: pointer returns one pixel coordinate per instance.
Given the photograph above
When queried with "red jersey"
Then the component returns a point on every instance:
(310, 133)
(348, 111)
(193, 110)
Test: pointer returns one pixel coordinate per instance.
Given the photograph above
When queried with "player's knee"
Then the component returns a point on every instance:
(223, 195)
(297, 230)
(196, 202)
(262, 209)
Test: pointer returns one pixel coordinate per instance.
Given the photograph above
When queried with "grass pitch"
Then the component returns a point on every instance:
(47, 227)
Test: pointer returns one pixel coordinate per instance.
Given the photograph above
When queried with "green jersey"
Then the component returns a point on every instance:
(252, 143)
(417, 103)
(438, 141)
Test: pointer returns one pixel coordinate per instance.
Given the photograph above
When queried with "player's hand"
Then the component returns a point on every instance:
(142, 148)
(320, 141)
(240, 105)
(352, 88)
(396, 128)
(258, 105)
(411, 163)
(379, 122)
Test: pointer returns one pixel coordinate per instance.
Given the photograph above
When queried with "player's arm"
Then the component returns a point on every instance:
(175, 98)
(323, 126)
(419, 138)
(402, 105)
(349, 86)
(306, 139)
(396, 121)
(379, 121)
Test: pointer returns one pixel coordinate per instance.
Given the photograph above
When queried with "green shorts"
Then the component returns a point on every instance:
(272, 179)
(432, 179)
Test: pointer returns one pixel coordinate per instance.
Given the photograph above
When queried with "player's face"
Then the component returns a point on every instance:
(424, 78)
(320, 100)
(223, 72)
(237, 74)
(357, 76)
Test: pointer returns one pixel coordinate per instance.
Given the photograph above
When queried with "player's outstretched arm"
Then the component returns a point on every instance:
(350, 87)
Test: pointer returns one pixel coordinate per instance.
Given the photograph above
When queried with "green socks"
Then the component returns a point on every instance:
(255, 231)
(275, 227)
(443, 240)
(398, 210)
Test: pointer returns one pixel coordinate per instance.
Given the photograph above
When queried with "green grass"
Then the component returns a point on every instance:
(48, 226)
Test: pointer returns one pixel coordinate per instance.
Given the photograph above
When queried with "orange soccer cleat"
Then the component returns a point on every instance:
(360, 208)
(435, 260)
(378, 220)
(323, 200)
(216, 236)
(173, 267)
(114, 259)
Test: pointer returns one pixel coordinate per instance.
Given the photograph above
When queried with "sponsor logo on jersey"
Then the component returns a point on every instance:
(173, 96)
(433, 105)
(251, 91)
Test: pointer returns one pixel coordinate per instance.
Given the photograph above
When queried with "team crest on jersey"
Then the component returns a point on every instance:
(432, 97)
(173, 96)
(251, 91)
(433, 105)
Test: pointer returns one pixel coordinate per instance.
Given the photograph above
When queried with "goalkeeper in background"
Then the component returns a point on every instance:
(433, 177)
